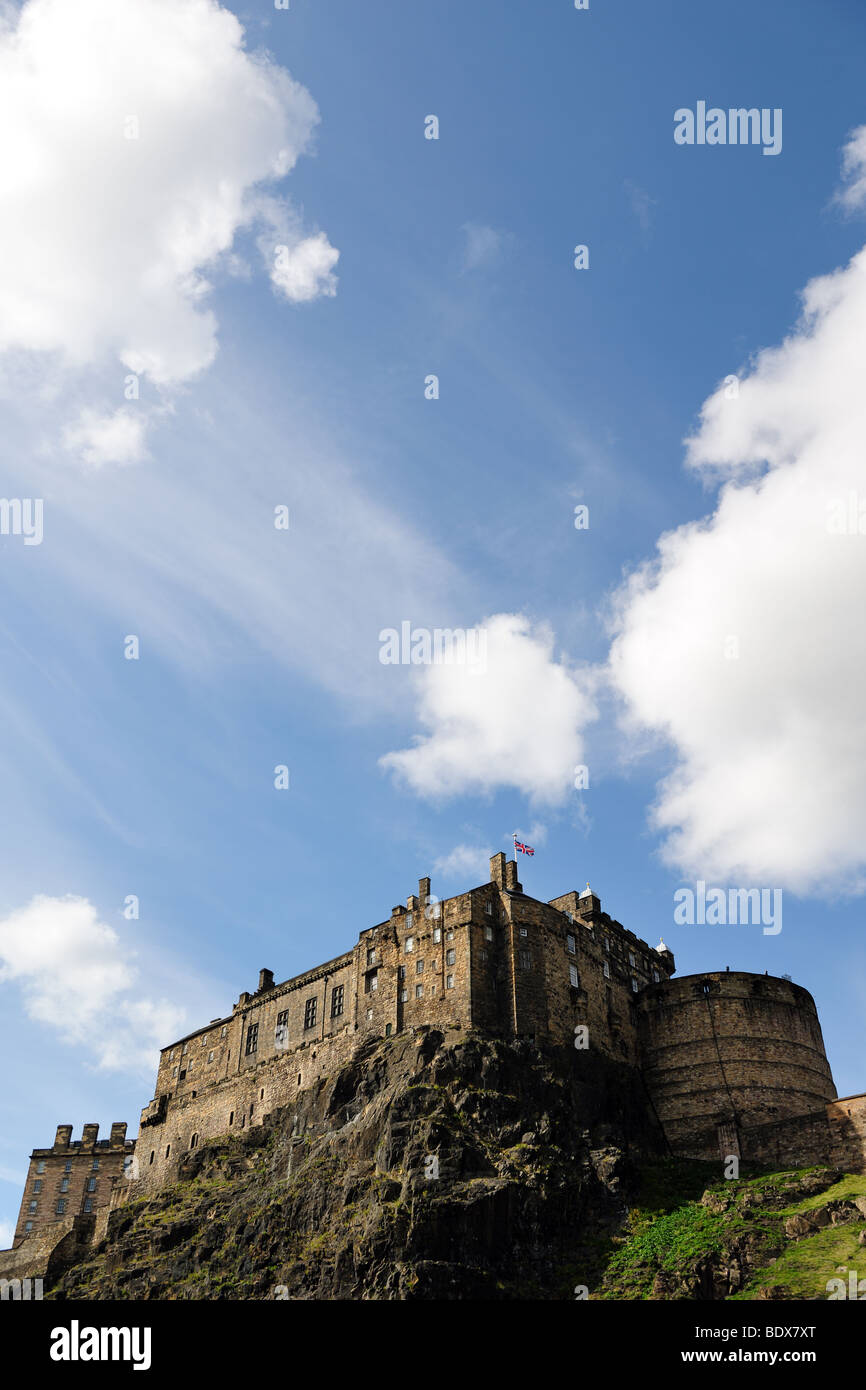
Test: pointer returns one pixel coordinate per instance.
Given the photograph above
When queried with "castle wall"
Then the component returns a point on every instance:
(729, 1046)
(722, 1055)
(70, 1178)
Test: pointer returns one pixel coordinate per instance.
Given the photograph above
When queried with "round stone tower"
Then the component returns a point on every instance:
(726, 1051)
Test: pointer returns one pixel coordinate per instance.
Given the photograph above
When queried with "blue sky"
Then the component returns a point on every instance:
(155, 777)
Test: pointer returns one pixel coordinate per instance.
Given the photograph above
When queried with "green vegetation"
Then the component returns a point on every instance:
(690, 1238)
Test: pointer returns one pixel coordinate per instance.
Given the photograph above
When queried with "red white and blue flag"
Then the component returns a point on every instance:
(521, 848)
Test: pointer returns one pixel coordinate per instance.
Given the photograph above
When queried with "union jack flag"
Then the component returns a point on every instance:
(523, 849)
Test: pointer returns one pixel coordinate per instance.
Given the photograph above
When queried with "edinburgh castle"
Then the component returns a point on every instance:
(727, 1063)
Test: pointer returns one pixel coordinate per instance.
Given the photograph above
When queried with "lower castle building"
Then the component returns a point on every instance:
(731, 1063)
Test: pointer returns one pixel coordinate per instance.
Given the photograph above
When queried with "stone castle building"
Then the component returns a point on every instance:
(731, 1063)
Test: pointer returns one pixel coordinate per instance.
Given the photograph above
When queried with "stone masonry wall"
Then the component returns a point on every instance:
(730, 1046)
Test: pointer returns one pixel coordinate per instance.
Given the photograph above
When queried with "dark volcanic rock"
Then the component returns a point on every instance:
(430, 1167)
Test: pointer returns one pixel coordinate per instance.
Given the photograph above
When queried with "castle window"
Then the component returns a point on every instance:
(37, 1186)
(299, 1078)
(419, 967)
(655, 977)
(387, 1030)
(404, 995)
(283, 1019)
(91, 1184)
(88, 1204)
(449, 981)
(337, 1001)
(570, 944)
(525, 960)
(401, 972)
(409, 945)
(488, 908)
(67, 1167)
(61, 1206)
(371, 956)
(33, 1206)
(607, 943)
(174, 1070)
(570, 916)
(310, 1012)
(167, 1150)
(408, 919)
(224, 1030)
(204, 1040)
(631, 958)
(450, 957)
(488, 933)
(64, 1185)
(40, 1167)
(371, 982)
(437, 933)
(369, 1014)
(607, 970)
(95, 1164)
(419, 991)
(573, 976)
(210, 1057)
(634, 984)
(152, 1157)
(171, 1055)
(252, 1039)
(184, 1049)
(449, 935)
(243, 1121)
(193, 1140)
(28, 1226)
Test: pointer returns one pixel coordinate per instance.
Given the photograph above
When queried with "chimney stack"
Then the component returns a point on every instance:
(497, 870)
(63, 1136)
(266, 980)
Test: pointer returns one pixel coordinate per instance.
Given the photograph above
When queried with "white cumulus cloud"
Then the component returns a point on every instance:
(101, 439)
(76, 980)
(743, 644)
(517, 722)
(135, 138)
(467, 862)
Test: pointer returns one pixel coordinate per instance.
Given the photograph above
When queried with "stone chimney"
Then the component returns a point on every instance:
(511, 877)
(89, 1134)
(266, 980)
(497, 870)
(63, 1136)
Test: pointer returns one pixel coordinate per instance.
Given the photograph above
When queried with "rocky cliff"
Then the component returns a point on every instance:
(431, 1167)
(454, 1167)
